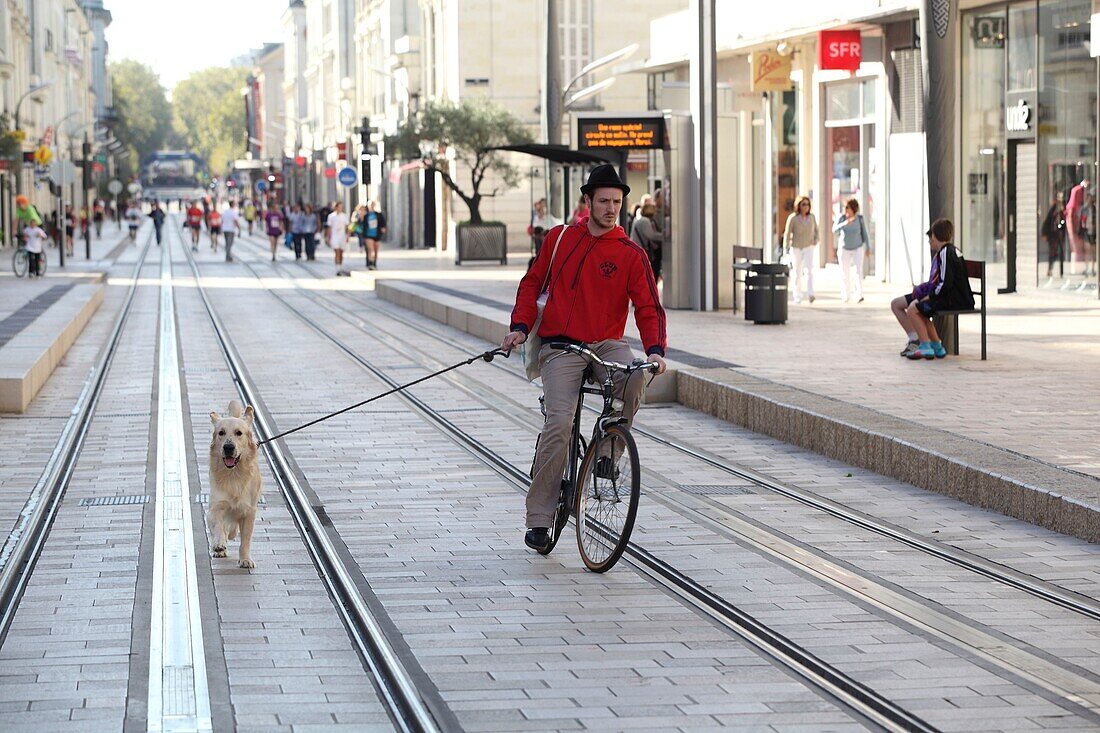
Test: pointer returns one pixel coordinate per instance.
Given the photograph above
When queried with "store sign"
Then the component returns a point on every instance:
(1094, 38)
(839, 50)
(1019, 116)
(624, 133)
(770, 72)
(988, 31)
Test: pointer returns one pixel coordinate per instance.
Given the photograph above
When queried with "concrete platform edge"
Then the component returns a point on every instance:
(974, 472)
(28, 360)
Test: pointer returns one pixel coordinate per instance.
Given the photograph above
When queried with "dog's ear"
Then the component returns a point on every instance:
(214, 417)
(249, 415)
(234, 409)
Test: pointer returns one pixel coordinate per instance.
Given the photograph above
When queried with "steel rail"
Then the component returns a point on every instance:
(24, 545)
(861, 700)
(1019, 580)
(1077, 689)
(407, 708)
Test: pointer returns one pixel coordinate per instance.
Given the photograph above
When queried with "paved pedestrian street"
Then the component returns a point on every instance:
(766, 587)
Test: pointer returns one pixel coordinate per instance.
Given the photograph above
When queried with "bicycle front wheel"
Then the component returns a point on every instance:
(607, 499)
(19, 262)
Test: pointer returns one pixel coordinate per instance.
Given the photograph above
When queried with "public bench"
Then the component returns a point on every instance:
(975, 270)
(743, 259)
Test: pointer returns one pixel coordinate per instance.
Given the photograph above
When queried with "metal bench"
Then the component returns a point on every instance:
(975, 270)
(743, 259)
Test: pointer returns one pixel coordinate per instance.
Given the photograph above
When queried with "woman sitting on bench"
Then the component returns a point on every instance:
(947, 289)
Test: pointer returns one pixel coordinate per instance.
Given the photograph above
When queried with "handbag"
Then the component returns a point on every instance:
(533, 344)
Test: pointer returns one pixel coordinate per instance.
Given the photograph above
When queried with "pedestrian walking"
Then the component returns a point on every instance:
(85, 222)
(589, 286)
(297, 229)
(310, 226)
(249, 212)
(337, 231)
(194, 223)
(374, 228)
(70, 228)
(1053, 231)
(97, 218)
(214, 225)
(800, 237)
(644, 232)
(853, 244)
(33, 238)
(158, 216)
(133, 219)
(276, 226)
(947, 288)
(231, 226)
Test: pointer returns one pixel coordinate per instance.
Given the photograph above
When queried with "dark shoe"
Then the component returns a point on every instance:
(537, 538)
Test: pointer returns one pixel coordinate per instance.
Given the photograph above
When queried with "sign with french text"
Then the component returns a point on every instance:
(624, 133)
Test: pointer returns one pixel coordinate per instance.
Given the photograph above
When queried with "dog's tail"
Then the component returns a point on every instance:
(235, 409)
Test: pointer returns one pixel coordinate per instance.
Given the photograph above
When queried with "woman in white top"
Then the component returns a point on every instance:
(337, 225)
(800, 238)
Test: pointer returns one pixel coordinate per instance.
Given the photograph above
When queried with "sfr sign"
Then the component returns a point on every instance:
(839, 50)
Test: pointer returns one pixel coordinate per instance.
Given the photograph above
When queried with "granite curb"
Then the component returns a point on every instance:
(929, 458)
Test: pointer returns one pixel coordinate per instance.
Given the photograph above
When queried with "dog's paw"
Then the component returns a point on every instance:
(246, 562)
(219, 550)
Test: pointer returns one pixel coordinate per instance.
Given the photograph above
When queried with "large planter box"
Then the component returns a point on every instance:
(482, 243)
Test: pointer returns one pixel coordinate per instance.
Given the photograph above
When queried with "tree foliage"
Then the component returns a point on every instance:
(145, 116)
(209, 115)
(468, 129)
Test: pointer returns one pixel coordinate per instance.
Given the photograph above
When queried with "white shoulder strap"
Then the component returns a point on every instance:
(553, 253)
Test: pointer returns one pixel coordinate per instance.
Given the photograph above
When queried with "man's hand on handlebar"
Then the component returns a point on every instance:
(512, 340)
(659, 361)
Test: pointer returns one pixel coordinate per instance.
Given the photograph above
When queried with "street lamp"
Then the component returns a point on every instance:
(621, 55)
(34, 88)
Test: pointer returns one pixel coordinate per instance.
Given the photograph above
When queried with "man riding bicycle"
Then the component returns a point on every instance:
(596, 272)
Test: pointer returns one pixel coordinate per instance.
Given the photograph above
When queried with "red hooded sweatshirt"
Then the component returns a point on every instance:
(593, 282)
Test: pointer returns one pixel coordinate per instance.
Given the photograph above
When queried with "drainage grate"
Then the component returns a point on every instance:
(204, 498)
(716, 490)
(113, 500)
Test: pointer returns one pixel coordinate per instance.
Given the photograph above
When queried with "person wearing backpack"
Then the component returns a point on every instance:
(853, 244)
(947, 289)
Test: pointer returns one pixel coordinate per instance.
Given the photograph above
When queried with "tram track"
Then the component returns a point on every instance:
(409, 710)
(1071, 600)
(25, 542)
(860, 700)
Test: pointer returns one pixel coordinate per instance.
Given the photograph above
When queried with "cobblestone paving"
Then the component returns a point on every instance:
(64, 665)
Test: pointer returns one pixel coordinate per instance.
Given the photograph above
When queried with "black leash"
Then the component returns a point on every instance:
(487, 356)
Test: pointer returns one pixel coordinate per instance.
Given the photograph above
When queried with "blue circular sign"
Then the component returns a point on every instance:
(347, 176)
(261, 185)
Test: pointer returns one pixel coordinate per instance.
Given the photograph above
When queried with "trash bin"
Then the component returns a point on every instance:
(766, 294)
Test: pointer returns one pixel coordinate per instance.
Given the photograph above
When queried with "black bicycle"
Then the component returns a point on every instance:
(602, 478)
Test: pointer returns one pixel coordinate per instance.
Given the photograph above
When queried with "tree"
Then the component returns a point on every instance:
(470, 129)
(209, 114)
(144, 114)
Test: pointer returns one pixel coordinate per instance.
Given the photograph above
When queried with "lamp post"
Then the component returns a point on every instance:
(34, 88)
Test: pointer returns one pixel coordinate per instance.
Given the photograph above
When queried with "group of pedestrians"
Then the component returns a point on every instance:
(853, 245)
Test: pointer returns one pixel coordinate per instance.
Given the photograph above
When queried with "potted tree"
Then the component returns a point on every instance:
(465, 133)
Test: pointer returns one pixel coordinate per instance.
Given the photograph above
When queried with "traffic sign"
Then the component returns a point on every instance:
(133, 187)
(347, 176)
(261, 185)
(115, 187)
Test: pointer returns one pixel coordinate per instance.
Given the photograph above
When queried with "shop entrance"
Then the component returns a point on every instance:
(1022, 242)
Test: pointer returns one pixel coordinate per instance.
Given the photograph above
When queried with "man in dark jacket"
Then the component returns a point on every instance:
(596, 272)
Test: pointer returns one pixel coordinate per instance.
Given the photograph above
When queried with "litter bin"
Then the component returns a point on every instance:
(766, 294)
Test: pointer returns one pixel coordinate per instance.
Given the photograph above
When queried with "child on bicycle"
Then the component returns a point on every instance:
(33, 239)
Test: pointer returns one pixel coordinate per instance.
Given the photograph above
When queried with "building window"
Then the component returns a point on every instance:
(49, 40)
(576, 40)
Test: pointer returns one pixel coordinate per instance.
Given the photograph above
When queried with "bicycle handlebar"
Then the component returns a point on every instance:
(588, 353)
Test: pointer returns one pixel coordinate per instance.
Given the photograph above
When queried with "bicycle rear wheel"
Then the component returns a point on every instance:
(19, 262)
(607, 499)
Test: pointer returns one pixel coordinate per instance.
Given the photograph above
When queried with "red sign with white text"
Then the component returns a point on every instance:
(841, 50)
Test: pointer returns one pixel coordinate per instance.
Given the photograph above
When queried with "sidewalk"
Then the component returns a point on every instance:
(1036, 398)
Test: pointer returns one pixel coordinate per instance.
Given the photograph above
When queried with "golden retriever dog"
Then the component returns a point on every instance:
(235, 482)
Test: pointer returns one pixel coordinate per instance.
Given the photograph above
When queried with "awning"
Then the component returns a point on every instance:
(557, 154)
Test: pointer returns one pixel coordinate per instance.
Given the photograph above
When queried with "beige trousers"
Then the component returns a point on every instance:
(562, 377)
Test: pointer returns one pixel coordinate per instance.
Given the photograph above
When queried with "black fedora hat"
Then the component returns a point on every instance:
(604, 176)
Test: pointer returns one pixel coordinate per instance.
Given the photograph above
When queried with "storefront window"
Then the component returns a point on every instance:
(851, 158)
(785, 151)
(981, 230)
(1067, 137)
